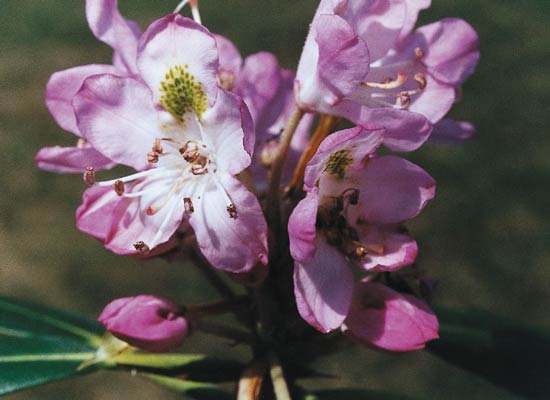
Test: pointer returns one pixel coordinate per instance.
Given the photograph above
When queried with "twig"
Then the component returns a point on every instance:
(273, 207)
(280, 386)
(251, 381)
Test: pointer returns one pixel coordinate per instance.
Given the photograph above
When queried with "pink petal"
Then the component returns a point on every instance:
(333, 63)
(177, 41)
(404, 130)
(130, 222)
(377, 22)
(392, 190)
(148, 322)
(94, 217)
(110, 27)
(360, 143)
(400, 250)
(382, 317)
(231, 138)
(301, 228)
(71, 160)
(449, 131)
(233, 245)
(413, 8)
(62, 87)
(230, 58)
(451, 49)
(323, 288)
(118, 118)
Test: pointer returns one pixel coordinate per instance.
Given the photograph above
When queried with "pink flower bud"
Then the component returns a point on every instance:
(386, 319)
(148, 322)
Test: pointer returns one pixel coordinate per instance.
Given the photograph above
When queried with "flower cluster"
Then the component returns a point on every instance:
(220, 146)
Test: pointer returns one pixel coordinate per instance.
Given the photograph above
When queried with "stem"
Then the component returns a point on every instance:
(325, 125)
(280, 386)
(273, 207)
(215, 280)
(250, 384)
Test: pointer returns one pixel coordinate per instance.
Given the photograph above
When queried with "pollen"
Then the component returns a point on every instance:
(181, 93)
(338, 163)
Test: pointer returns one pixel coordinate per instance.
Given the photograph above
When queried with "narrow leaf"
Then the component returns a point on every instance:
(195, 390)
(39, 344)
(502, 351)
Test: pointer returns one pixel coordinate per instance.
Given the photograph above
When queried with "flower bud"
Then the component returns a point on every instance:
(147, 322)
(386, 319)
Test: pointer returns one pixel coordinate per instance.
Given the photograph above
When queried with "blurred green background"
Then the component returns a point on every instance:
(486, 236)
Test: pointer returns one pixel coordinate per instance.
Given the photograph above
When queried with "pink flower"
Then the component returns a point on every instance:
(362, 62)
(187, 138)
(122, 35)
(383, 318)
(147, 322)
(355, 205)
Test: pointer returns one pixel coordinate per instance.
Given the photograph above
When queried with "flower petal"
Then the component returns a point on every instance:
(323, 288)
(356, 142)
(392, 190)
(71, 160)
(333, 63)
(450, 131)
(381, 317)
(94, 217)
(413, 8)
(229, 57)
(451, 49)
(228, 128)
(399, 251)
(118, 118)
(110, 27)
(378, 22)
(175, 41)
(62, 87)
(148, 322)
(301, 228)
(230, 244)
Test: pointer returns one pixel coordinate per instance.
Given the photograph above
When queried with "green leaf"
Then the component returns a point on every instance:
(194, 390)
(502, 351)
(39, 344)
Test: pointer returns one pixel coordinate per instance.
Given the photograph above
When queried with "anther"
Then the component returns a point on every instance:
(118, 186)
(141, 247)
(157, 146)
(81, 143)
(403, 100)
(150, 211)
(232, 210)
(152, 157)
(189, 208)
(421, 80)
(360, 251)
(197, 169)
(418, 53)
(89, 176)
(190, 152)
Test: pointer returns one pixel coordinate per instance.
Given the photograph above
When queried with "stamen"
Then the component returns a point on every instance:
(89, 176)
(190, 151)
(118, 186)
(81, 143)
(403, 100)
(360, 251)
(418, 54)
(157, 145)
(198, 169)
(232, 210)
(189, 208)
(387, 85)
(141, 247)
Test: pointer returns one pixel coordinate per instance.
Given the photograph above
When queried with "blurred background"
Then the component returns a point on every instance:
(486, 236)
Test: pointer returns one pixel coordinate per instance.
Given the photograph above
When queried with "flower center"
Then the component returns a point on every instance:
(181, 93)
(400, 89)
(333, 223)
